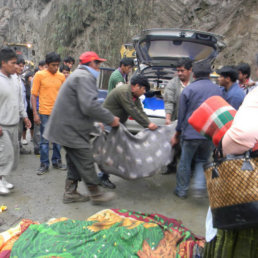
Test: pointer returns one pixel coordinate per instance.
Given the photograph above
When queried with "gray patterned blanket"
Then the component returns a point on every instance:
(133, 156)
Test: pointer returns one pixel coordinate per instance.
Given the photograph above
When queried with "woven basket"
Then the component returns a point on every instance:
(232, 186)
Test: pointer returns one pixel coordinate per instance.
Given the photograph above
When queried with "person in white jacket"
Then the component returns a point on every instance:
(11, 109)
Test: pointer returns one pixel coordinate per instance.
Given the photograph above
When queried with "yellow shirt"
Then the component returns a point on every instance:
(46, 85)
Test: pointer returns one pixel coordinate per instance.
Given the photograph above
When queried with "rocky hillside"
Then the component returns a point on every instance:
(71, 27)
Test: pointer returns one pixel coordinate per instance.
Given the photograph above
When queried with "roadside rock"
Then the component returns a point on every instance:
(71, 27)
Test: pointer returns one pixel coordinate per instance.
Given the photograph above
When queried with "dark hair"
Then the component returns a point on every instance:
(88, 63)
(6, 54)
(42, 63)
(141, 80)
(69, 59)
(52, 57)
(64, 67)
(26, 79)
(126, 62)
(231, 72)
(244, 69)
(20, 60)
(28, 74)
(202, 69)
(186, 63)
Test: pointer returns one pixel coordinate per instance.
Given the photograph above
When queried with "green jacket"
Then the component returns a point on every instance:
(121, 103)
(114, 79)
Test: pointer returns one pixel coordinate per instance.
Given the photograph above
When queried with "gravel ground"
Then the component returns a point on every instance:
(40, 198)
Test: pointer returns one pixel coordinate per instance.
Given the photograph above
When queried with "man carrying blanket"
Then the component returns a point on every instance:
(70, 124)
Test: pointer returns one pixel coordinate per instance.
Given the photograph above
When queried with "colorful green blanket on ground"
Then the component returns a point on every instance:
(108, 233)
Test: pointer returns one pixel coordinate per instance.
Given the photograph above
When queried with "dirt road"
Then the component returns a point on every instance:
(40, 198)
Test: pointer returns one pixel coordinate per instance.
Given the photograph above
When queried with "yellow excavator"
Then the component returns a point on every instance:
(127, 50)
(26, 50)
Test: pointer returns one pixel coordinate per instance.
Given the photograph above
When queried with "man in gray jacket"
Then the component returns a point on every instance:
(171, 98)
(11, 109)
(70, 124)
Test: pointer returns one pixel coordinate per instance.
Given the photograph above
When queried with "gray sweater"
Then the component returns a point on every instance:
(75, 111)
(171, 96)
(11, 104)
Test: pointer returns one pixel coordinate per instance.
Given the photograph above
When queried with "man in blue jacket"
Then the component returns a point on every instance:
(233, 94)
(194, 146)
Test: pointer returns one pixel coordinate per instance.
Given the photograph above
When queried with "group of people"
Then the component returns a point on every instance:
(64, 106)
(48, 90)
(43, 95)
(240, 92)
(183, 95)
(19, 102)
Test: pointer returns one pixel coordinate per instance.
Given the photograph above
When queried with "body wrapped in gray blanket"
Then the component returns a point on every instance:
(133, 156)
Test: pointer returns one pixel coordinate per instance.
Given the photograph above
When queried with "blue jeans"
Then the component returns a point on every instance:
(44, 145)
(199, 151)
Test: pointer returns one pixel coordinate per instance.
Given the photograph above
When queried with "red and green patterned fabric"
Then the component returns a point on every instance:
(213, 118)
(109, 233)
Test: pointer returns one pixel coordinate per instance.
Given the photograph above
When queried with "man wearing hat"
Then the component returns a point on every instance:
(124, 101)
(194, 146)
(70, 124)
(233, 94)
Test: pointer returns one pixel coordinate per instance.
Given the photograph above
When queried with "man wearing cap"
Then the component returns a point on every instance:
(70, 124)
(194, 146)
(233, 94)
(123, 102)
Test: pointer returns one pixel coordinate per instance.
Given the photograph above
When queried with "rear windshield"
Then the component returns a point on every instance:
(176, 49)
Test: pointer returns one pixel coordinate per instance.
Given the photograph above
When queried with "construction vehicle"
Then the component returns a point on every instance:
(127, 50)
(26, 51)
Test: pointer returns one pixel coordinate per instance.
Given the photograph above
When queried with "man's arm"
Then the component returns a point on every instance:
(133, 108)
(22, 110)
(181, 116)
(34, 95)
(87, 97)
(34, 108)
(168, 118)
(175, 139)
(170, 99)
(181, 111)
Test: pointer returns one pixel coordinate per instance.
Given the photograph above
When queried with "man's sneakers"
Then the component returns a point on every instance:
(24, 142)
(5, 186)
(59, 165)
(199, 193)
(43, 169)
(180, 195)
(105, 182)
(195, 193)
